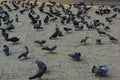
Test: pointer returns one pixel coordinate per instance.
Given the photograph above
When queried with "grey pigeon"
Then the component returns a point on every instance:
(100, 70)
(56, 33)
(25, 53)
(98, 41)
(39, 74)
(6, 50)
(101, 32)
(41, 41)
(50, 48)
(12, 39)
(112, 38)
(67, 29)
(76, 56)
(42, 69)
(84, 40)
(41, 65)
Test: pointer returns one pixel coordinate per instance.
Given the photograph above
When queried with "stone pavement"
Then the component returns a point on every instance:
(60, 66)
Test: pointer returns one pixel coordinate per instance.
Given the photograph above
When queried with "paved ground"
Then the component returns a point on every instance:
(60, 66)
(116, 2)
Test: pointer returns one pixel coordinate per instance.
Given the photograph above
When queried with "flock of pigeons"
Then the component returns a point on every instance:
(79, 21)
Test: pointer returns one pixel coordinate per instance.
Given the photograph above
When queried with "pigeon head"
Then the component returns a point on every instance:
(78, 53)
(36, 61)
(26, 47)
(6, 35)
(87, 37)
(4, 45)
(55, 46)
(35, 41)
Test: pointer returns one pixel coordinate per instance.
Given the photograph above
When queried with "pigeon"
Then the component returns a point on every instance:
(111, 38)
(76, 56)
(100, 70)
(101, 32)
(41, 41)
(3, 31)
(41, 65)
(62, 21)
(98, 41)
(114, 16)
(42, 69)
(11, 27)
(39, 74)
(46, 19)
(6, 50)
(90, 26)
(76, 22)
(58, 31)
(5, 35)
(67, 29)
(16, 18)
(108, 19)
(50, 48)
(25, 53)
(84, 40)
(79, 27)
(37, 17)
(54, 35)
(54, 19)
(38, 25)
(12, 39)
(106, 27)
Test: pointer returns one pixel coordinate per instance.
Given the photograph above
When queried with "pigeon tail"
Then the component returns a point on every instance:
(38, 75)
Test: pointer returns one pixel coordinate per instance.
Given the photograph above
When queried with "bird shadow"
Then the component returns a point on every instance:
(76, 60)
(79, 30)
(51, 52)
(90, 29)
(46, 79)
(112, 42)
(11, 31)
(47, 72)
(69, 32)
(81, 45)
(115, 42)
(39, 30)
(54, 21)
(102, 35)
(103, 76)
(108, 30)
(9, 54)
(46, 23)
(15, 43)
(22, 59)
(99, 43)
(55, 38)
(39, 45)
